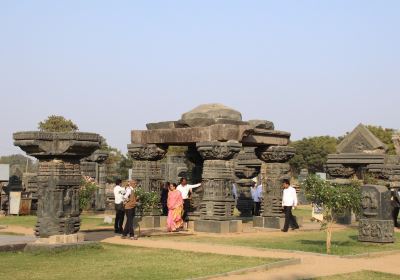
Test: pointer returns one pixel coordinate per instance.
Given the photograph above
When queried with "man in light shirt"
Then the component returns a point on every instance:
(256, 194)
(289, 200)
(119, 206)
(185, 191)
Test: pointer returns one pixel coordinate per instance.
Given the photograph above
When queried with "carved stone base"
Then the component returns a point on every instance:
(273, 222)
(378, 231)
(218, 226)
(62, 239)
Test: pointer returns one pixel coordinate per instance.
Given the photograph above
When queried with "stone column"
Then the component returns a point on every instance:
(247, 167)
(147, 168)
(217, 179)
(274, 169)
(376, 224)
(59, 177)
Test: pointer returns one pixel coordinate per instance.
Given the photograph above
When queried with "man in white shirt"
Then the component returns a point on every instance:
(185, 190)
(119, 206)
(289, 200)
(256, 194)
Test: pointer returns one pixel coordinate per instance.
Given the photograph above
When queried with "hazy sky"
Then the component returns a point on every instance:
(311, 67)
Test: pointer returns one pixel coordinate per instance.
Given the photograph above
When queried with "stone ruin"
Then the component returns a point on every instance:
(94, 167)
(361, 155)
(221, 149)
(58, 178)
(376, 224)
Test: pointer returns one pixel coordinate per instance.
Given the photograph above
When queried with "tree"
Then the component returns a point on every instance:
(311, 153)
(385, 135)
(57, 124)
(335, 200)
(117, 164)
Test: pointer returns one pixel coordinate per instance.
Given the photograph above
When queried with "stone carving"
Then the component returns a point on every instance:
(59, 176)
(275, 153)
(218, 150)
(146, 152)
(341, 171)
(218, 176)
(375, 223)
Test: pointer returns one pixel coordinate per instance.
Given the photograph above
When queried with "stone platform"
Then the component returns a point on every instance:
(218, 226)
(12, 243)
(273, 222)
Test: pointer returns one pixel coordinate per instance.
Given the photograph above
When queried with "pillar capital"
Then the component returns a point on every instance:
(275, 153)
(150, 152)
(215, 150)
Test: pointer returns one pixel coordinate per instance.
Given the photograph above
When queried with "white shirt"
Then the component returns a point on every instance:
(256, 193)
(128, 192)
(184, 190)
(289, 197)
(118, 194)
(234, 190)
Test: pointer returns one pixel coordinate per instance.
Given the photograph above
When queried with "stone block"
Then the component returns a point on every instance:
(377, 231)
(273, 222)
(62, 239)
(218, 226)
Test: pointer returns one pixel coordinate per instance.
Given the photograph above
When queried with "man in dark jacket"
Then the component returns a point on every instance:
(396, 206)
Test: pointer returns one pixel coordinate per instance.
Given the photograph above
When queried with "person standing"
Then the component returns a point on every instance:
(256, 194)
(119, 206)
(289, 200)
(164, 198)
(130, 201)
(396, 206)
(175, 209)
(185, 189)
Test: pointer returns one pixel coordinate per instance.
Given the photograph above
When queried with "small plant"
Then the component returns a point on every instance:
(335, 200)
(86, 192)
(147, 200)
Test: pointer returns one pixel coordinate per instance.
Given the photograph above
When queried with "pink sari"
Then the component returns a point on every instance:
(175, 209)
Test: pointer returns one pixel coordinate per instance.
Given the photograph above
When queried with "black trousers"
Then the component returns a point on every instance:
(395, 214)
(164, 209)
(289, 218)
(186, 209)
(257, 208)
(130, 214)
(119, 219)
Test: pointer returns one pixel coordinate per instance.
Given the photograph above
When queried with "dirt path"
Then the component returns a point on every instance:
(311, 265)
(18, 229)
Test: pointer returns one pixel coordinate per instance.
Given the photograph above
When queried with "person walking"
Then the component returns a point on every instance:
(119, 206)
(130, 201)
(289, 201)
(175, 209)
(185, 189)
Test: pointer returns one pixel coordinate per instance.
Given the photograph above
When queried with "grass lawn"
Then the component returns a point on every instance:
(304, 211)
(364, 275)
(119, 262)
(87, 222)
(344, 242)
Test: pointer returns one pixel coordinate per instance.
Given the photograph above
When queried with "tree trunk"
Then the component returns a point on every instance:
(328, 237)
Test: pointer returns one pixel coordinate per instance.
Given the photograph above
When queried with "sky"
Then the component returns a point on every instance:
(311, 67)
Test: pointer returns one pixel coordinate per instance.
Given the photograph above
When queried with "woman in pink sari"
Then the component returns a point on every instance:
(175, 208)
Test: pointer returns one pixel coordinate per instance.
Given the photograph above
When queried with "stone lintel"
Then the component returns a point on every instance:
(352, 158)
(218, 132)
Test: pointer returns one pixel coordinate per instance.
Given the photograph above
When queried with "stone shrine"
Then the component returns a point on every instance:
(215, 135)
(58, 178)
(376, 224)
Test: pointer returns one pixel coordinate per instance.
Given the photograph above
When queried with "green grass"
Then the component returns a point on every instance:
(87, 222)
(362, 275)
(304, 211)
(120, 262)
(344, 242)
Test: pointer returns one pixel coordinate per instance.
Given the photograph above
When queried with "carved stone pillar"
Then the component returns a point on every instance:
(247, 167)
(376, 224)
(274, 169)
(217, 179)
(59, 177)
(147, 168)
